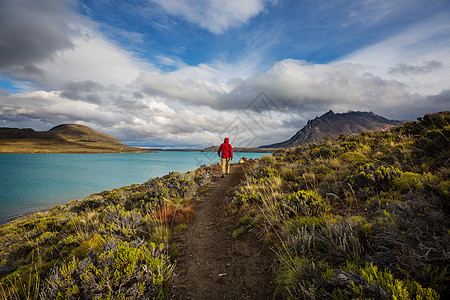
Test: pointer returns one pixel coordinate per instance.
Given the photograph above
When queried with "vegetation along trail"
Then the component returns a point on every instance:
(216, 260)
(358, 217)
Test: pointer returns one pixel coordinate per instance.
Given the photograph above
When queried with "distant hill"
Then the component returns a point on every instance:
(331, 125)
(65, 138)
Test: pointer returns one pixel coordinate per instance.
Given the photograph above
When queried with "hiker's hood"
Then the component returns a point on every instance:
(226, 140)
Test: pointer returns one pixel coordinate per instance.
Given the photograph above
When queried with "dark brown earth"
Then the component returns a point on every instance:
(212, 264)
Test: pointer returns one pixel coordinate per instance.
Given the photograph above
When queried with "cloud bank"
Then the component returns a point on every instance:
(188, 110)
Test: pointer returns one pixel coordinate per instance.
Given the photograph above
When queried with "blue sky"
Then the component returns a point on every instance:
(183, 72)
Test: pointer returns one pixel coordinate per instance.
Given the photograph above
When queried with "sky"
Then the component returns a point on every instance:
(187, 73)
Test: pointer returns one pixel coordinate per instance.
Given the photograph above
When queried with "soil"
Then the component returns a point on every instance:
(211, 263)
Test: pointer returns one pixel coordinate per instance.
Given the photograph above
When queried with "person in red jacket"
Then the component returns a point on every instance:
(226, 157)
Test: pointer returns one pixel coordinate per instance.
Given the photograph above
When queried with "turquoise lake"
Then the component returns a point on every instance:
(32, 182)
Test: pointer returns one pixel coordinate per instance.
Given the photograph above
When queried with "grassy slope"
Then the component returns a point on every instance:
(111, 245)
(361, 217)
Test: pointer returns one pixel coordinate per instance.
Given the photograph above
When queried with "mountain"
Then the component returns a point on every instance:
(331, 125)
(65, 138)
(75, 132)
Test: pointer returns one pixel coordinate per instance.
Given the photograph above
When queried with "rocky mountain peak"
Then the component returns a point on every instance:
(331, 125)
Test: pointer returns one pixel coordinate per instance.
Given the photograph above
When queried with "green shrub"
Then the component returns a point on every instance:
(374, 177)
(95, 243)
(141, 269)
(180, 227)
(305, 203)
(244, 220)
(238, 232)
(353, 157)
(257, 220)
(409, 181)
(300, 221)
(301, 278)
(398, 289)
(445, 187)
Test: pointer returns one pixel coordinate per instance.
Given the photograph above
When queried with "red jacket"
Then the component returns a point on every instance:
(226, 149)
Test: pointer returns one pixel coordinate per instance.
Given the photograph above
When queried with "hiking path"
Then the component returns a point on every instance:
(211, 264)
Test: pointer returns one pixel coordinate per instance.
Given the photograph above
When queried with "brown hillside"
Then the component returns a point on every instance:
(65, 138)
(76, 132)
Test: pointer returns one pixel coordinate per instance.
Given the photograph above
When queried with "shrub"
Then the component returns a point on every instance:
(398, 289)
(445, 187)
(339, 242)
(305, 203)
(353, 157)
(238, 232)
(94, 244)
(373, 175)
(121, 270)
(299, 278)
(409, 181)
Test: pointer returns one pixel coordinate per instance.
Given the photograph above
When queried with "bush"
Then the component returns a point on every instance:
(304, 203)
(121, 270)
(374, 177)
(353, 157)
(398, 289)
(409, 181)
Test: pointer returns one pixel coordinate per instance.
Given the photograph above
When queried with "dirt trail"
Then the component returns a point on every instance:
(213, 265)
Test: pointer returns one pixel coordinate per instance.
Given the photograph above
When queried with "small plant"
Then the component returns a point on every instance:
(180, 227)
(353, 157)
(238, 232)
(409, 181)
(398, 289)
(244, 220)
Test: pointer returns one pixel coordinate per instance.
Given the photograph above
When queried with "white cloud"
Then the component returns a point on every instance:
(415, 47)
(92, 58)
(292, 84)
(315, 88)
(47, 44)
(215, 16)
(148, 117)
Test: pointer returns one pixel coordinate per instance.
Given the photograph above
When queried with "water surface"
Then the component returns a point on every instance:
(31, 182)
